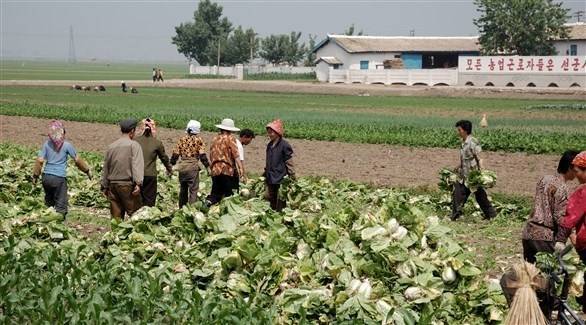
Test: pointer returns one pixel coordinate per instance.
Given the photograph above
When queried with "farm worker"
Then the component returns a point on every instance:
(469, 160)
(225, 162)
(55, 152)
(542, 231)
(123, 172)
(152, 148)
(279, 163)
(123, 86)
(161, 75)
(154, 75)
(575, 216)
(189, 150)
(246, 137)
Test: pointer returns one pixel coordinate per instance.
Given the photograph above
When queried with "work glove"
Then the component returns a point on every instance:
(35, 178)
(559, 247)
(89, 175)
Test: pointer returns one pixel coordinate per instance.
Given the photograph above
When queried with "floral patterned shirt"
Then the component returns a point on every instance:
(188, 146)
(223, 155)
(551, 198)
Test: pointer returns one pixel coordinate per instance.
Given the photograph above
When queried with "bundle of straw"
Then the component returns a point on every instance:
(525, 278)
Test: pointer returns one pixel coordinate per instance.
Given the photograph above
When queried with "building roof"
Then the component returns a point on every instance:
(329, 60)
(364, 44)
(577, 31)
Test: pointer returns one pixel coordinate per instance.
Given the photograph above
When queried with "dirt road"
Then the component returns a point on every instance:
(376, 164)
(326, 88)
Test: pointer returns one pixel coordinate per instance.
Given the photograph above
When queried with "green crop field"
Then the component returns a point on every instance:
(53, 70)
(514, 125)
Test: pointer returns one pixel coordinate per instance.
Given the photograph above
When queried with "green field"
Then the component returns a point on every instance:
(410, 121)
(48, 70)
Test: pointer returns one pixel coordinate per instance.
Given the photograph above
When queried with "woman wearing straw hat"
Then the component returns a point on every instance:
(225, 162)
(279, 163)
(189, 150)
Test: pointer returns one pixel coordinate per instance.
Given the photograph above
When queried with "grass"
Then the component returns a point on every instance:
(54, 70)
(409, 121)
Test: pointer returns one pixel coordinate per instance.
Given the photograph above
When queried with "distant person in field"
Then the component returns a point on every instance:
(123, 86)
(189, 151)
(160, 71)
(123, 172)
(279, 163)
(542, 231)
(133, 90)
(246, 137)
(225, 162)
(54, 153)
(155, 75)
(469, 161)
(152, 149)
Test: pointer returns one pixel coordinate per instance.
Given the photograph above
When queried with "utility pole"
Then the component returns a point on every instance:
(218, 66)
(579, 14)
(251, 48)
(71, 58)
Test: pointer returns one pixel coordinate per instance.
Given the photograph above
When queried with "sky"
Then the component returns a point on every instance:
(141, 30)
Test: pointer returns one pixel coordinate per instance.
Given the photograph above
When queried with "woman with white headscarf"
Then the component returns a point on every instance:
(189, 151)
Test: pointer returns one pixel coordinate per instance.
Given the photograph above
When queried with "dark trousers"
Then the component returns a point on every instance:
(149, 191)
(273, 196)
(532, 247)
(222, 186)
(188, 187)
(122, 201)
(56, 192)
(460, 196)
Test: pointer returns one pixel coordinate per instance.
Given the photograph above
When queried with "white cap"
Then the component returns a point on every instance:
(193, 127)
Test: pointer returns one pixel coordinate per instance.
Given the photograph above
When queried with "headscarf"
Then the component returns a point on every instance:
(277, 126)
(147, 123)
(580, 160)
(56, 134)
(193, 127)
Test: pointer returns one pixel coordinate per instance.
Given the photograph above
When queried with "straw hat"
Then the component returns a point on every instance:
(228, 125)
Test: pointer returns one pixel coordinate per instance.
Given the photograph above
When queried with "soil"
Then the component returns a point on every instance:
(308, 87)
(380, 165)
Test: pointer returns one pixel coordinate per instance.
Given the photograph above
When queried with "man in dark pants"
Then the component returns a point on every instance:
(469, 160)
(279, 163)
(123, 173)
(152, 148)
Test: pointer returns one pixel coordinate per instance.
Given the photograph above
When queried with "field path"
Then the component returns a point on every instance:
(376, 164)
(306, 87)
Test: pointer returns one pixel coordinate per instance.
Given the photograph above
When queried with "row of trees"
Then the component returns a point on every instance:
(211, 39)
(521, 27)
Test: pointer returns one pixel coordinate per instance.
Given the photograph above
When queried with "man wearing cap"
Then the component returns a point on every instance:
(123, 172)
(225, 162)
(279, 163)
(189, 150)
(152, 148)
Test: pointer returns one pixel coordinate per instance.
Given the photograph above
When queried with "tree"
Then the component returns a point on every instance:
(200, 40)
(241, 46)
(310, 56)
(278, 49)
(520, 27)
(350, 31)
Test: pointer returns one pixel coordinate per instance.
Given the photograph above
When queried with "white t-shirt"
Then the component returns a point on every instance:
(240, 149)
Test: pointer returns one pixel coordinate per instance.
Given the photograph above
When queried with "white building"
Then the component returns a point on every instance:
(575, 45)
(391, 52)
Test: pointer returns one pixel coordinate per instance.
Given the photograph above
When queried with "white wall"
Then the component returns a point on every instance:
(563, 46)
(409, 77)
(352, 61)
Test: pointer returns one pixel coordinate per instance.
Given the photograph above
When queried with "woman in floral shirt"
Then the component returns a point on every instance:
(542, 231)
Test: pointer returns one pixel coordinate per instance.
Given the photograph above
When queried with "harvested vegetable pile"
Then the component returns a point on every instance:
(341, 252)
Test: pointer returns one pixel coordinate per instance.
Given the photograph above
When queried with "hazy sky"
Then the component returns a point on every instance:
(142, 29)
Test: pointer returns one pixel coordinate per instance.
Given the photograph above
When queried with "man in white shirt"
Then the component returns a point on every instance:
(246, 137)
